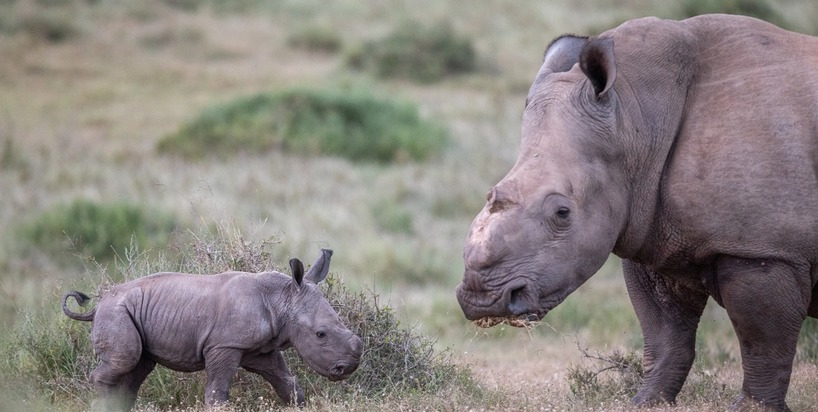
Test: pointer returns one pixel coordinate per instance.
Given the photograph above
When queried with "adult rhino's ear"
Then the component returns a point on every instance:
(320, 268)
(597, 62)
(563, 53)
(298, 271)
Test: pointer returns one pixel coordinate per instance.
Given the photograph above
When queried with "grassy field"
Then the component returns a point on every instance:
(89, 89)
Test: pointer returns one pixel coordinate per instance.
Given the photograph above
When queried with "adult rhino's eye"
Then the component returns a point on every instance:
(563, 212)
(321, 334)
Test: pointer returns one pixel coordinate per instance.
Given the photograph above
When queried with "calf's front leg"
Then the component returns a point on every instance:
(273, 369)
(221, 366)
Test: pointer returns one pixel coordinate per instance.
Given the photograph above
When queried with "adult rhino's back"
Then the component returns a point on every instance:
(743, 175)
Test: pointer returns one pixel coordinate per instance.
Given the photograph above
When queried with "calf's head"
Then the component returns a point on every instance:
(316, 333)
(552, 221)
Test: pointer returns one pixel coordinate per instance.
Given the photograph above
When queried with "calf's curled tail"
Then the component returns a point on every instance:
(82, 299)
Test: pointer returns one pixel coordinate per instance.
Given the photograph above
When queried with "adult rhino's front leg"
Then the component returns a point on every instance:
(767, 302)
(669, 314)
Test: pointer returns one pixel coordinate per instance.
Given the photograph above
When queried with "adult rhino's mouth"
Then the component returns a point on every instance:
(516, 299)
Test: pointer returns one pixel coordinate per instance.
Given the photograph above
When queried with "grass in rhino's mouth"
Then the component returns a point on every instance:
(521, 321)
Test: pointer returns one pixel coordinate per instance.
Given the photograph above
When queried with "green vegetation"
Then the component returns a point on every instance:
(97, 230)
(419, 52)
(51, 355)
(348, 123)
(316, 39)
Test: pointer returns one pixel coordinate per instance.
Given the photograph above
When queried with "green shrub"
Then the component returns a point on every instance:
(351, 124)
(315, 38)
(52, 357)
(97, 230)
(417, 52)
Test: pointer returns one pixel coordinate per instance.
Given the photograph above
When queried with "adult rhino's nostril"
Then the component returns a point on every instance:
(517, 304)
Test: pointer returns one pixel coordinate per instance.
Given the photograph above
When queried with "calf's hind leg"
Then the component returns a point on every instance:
(121, 368)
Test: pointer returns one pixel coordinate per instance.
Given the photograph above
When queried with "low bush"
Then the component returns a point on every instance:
(51, 355)
(97, 230)
(414, 51)
(351, 124)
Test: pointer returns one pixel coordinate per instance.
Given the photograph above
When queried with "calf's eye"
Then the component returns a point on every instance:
(321, 334)
(563, 212)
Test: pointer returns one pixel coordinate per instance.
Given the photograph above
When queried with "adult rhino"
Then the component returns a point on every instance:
(689, 149)
(217, 323)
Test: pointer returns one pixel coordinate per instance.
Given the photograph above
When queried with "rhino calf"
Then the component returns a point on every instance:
(217, 323)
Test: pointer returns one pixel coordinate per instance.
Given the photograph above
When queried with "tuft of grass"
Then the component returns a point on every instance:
(315, 39)
(52, 354)
(352, 124)
(424, 53)
(615, 375)
(101, 231)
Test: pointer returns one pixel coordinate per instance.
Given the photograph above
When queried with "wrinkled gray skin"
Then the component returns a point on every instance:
(688, 148)
(217, 323)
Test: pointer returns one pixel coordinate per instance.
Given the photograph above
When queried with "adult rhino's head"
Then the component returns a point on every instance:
(317, 334)
(553, 220)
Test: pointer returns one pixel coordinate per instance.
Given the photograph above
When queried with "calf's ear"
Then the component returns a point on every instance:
(298, 270)
(597, 62)
(320, 268)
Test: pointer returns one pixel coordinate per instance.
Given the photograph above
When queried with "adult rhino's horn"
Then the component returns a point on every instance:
(563, 53)
(320, 268)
